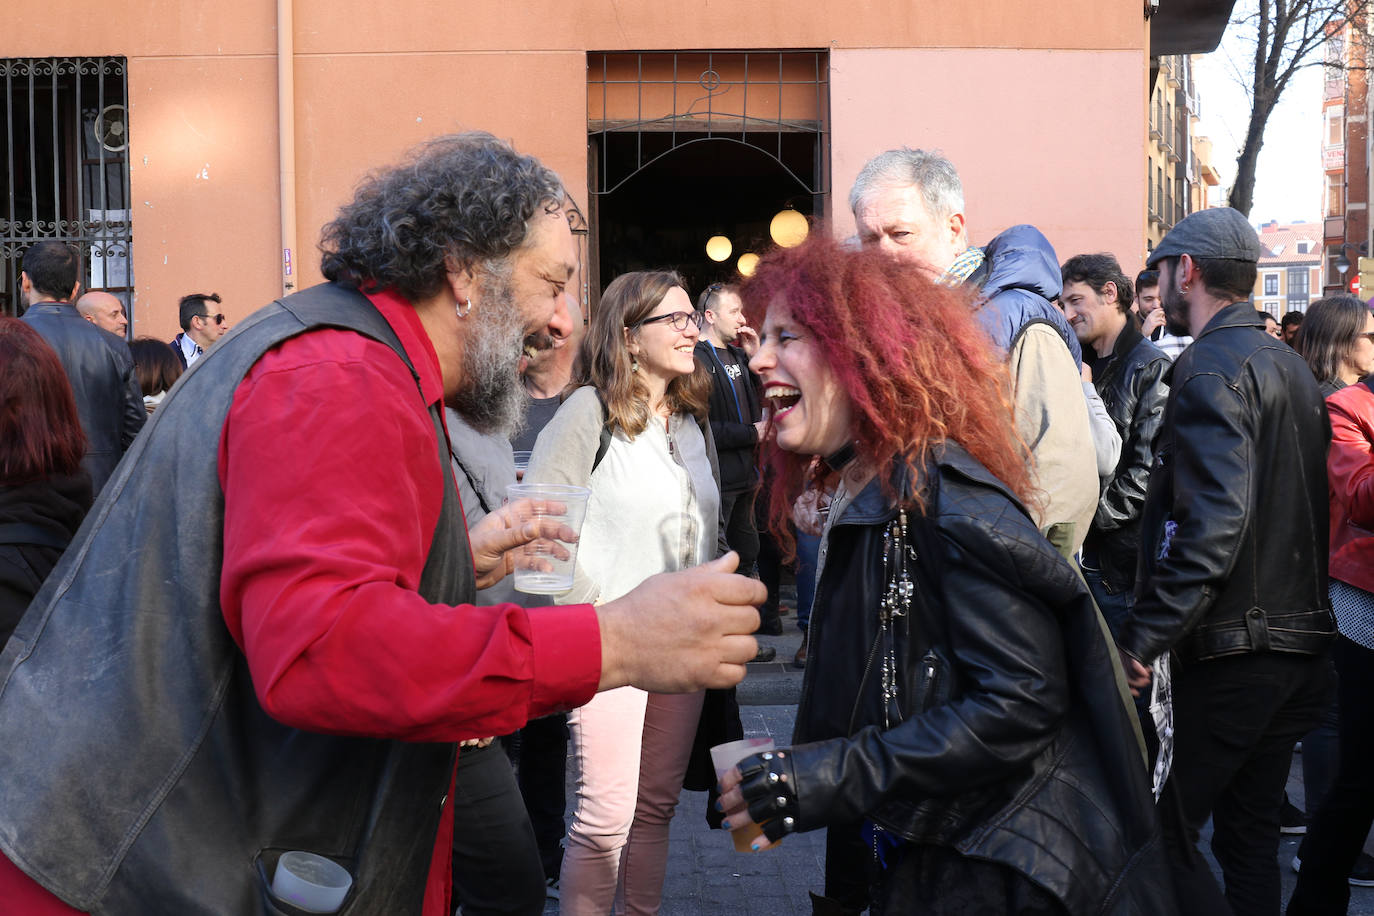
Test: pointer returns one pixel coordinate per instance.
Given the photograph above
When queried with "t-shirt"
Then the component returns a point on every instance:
(538, 413)
(735, 372)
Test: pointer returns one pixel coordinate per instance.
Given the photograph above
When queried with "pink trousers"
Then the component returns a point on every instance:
(629, 755)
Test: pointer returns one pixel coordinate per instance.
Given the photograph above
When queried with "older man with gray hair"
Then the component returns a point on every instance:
(910, 203)
(267, 639)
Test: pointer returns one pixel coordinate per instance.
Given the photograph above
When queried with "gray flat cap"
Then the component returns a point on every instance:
(1217, 233)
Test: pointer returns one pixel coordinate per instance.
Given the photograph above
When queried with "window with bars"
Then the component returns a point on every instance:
(65, 133)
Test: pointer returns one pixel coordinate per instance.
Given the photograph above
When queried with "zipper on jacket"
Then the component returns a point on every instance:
(863, 681)
(930, 673)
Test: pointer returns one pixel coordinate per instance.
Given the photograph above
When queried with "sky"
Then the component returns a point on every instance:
(1290, 178)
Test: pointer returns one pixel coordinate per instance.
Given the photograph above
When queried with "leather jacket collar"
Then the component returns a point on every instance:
(1236, 315)
(996, 613)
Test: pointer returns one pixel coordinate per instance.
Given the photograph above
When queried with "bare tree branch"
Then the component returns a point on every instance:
(1289, 36)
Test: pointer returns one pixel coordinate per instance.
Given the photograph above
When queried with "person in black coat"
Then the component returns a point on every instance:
(962, 710)
(44, 493)
(97, 363)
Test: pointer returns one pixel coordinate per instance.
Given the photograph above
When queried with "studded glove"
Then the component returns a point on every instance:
(769, 791)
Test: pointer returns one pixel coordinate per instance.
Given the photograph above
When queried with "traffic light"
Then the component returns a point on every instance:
(1362, 284)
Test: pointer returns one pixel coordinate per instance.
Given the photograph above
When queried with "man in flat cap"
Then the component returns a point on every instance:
(1233, 567)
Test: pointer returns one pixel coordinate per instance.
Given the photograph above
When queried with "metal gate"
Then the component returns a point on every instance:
(66, 172)
(656, 102)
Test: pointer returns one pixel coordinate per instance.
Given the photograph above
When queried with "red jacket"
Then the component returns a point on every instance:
(1350, 467)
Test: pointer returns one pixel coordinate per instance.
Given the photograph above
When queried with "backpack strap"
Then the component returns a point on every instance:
(605, 442)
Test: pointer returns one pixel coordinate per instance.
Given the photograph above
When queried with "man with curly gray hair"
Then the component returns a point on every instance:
(268, 639)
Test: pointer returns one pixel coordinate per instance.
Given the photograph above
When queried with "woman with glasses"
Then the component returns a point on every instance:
(961, 711)
(1337, 340)
(633, 430)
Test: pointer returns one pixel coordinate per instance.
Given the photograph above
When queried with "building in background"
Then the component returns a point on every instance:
(1345, 159)
(1202, 174)
(193, 147)
(1290, 267)
(1178, 162)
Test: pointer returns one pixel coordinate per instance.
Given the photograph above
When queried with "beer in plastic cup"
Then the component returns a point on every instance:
(723, 758)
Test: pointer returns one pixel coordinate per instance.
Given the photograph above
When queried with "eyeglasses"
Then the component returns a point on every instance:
(217, 319)
(678, 320)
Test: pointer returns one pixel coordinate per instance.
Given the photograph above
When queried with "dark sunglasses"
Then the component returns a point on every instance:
(218, 319)
(678, 320)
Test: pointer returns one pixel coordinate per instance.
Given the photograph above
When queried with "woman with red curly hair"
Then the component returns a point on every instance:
(960, 705)
(44, 493)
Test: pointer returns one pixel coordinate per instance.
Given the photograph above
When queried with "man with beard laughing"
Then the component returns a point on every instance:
(266, 638)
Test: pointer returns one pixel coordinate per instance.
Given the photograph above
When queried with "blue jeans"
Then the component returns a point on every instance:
(1114, 605)
(808, 546)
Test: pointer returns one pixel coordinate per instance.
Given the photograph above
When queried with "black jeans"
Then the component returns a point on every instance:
(740, 532)
(495, 860)
(1236, 720)
(543, 784)
(1337, 833)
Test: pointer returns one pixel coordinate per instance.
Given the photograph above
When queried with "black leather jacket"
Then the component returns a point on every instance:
(101, 371)
(1234, 533)
(1010, 739)
(1131, 384)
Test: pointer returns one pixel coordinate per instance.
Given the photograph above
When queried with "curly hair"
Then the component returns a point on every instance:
(908, 354)
(458, 202)
(604, 361)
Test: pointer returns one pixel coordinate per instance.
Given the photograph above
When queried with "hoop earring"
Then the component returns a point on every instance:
(463, 309)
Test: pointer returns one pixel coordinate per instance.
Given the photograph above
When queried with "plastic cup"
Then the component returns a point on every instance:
(545, 565)
(723, 758)
(311, 882)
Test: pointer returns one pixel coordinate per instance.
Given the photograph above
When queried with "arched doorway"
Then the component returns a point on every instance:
(688, 146)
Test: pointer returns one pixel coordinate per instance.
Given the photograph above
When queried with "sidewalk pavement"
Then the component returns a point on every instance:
(706, 877)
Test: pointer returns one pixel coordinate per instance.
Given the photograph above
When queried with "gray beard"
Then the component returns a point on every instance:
(492, 400)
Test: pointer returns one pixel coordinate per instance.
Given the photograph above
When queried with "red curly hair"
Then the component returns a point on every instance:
(916, 367)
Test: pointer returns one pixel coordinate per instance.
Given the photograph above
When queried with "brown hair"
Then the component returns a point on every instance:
(604, 360)
(1332, 326)
(155, 364)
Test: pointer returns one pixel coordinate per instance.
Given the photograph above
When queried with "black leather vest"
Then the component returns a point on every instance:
(141, 775)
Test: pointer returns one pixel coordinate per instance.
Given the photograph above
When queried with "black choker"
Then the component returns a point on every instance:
(841, 458)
